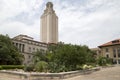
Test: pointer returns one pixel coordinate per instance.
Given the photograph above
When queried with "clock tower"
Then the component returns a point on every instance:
(49, 25)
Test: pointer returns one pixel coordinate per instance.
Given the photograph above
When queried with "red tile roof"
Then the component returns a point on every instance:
(111, 43)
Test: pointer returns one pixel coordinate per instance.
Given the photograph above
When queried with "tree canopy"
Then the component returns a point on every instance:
(9, 54)
(65, 57)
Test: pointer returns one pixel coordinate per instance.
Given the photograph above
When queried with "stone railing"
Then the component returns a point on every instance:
(14, 75)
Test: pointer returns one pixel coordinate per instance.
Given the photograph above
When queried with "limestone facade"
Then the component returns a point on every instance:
(27, 46)
(49, 25)
(111, 50)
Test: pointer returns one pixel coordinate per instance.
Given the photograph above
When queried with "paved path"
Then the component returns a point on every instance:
(111, 73)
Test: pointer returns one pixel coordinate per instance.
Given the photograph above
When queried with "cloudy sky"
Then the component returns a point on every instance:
(85, 22)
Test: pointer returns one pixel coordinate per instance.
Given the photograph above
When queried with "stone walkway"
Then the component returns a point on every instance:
(111, 73)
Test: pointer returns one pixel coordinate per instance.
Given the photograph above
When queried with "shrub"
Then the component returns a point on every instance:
(103, 61)
(79, 67)
(0, 67)
(52, 66)
(63, 69)
(41, 66)
(12, 66)
(29, 67)
(87, 66)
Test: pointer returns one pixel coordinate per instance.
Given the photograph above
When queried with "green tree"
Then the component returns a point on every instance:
(8, 52)
(70, 56)
(103, 61)
(39, 56)
(65, 57)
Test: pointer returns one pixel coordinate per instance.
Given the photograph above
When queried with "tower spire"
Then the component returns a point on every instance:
(49, 5)
(49, 8)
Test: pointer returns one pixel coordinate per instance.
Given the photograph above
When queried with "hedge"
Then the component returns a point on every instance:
(0, 67)
(12, 66)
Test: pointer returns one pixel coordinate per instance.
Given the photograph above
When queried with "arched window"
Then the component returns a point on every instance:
(107, 55)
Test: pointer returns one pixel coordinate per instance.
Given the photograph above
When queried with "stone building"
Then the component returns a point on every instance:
(111, 50)
(49, 25)
(27, 46)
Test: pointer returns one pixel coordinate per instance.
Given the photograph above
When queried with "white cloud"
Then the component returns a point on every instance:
(92, 23)
(11, 8)
(16, 28)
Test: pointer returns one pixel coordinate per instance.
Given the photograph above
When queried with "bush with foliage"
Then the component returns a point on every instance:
(79, 67)
(87, 66)
(41, 66)
(29, 67)
(103, 61)
(12, 66)
(0, 67)
(63, 57)
(9, 54)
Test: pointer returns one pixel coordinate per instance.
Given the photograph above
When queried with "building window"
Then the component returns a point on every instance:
(29, 49)
(106, 49)
(99, 52)
(29, 56)
(33, 49)
(118, 52)
(114, 62)
(119, 61)
(107, 55)
(114, 53)
(115, 41)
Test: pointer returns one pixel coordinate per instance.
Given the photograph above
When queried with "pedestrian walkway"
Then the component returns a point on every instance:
(111, 73)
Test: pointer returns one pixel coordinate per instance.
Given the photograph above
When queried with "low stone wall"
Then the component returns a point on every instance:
(14, 75)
